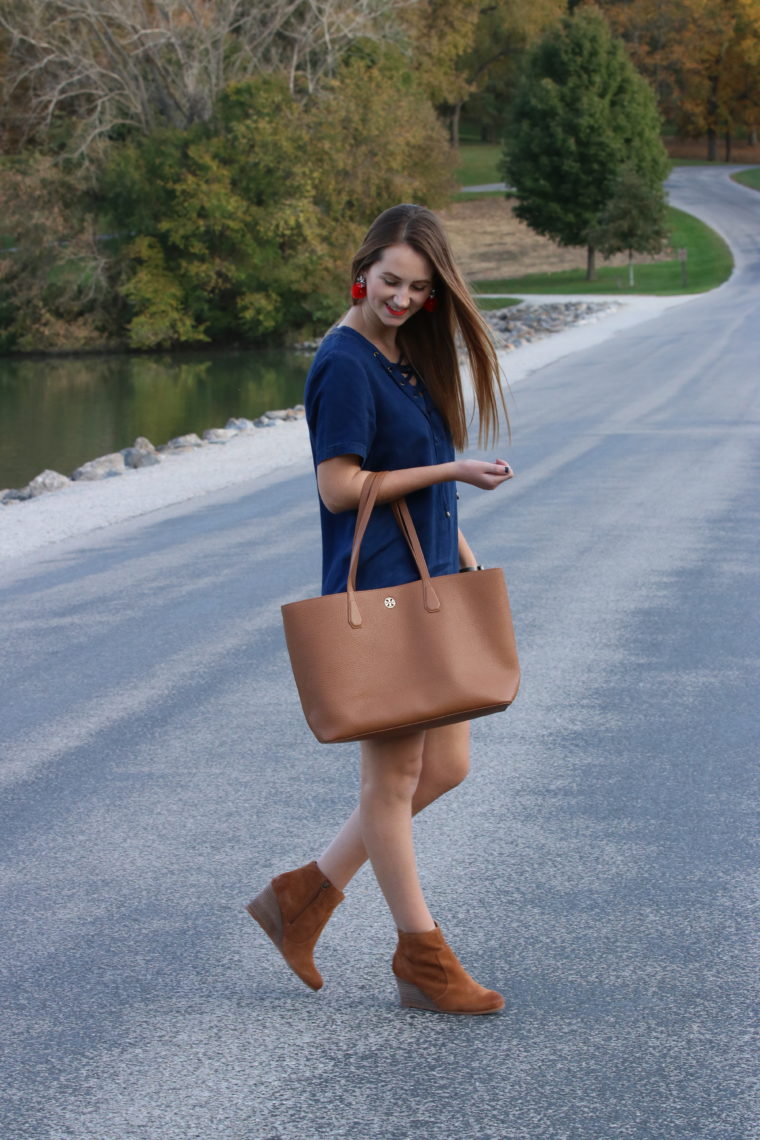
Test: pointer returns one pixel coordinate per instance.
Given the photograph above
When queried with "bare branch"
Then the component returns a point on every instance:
(164, 62)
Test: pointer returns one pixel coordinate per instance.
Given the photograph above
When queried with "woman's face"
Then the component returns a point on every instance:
(398, 284)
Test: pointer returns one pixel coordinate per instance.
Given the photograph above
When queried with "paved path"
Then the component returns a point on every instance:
(597, 865)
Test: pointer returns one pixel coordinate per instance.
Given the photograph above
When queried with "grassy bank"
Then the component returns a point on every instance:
(709, 263)
(479, 164)
(749, 178)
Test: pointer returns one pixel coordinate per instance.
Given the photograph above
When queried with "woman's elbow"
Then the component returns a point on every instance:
(339, 495)
(334, 504)
(338, 499)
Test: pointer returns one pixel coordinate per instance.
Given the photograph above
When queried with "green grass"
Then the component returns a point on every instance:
(488, 303)
(479, 164)
(478, 195)
(749, 178)
(709, 264)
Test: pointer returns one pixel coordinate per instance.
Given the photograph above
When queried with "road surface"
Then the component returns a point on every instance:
(598, 865)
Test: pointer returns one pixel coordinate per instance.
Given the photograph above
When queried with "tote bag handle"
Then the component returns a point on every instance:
(367, 501)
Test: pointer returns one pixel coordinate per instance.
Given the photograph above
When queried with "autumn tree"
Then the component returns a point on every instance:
(703, 58)
(488, 70)
(436, 35)
(581, 113)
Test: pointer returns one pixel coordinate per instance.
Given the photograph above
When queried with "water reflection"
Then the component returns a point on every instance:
(59, 412)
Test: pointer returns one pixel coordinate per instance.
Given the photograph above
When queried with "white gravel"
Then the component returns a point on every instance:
(28, 527)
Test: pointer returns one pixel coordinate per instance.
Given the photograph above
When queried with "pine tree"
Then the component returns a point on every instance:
(581, 113)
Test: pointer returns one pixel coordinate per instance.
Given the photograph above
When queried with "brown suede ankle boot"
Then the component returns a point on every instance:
(293, 910)
(430, 976)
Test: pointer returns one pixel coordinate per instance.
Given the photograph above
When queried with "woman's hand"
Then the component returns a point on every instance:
(483, 474)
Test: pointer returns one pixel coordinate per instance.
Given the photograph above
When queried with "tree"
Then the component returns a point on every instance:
(703, 57)
(234, 153)
(436, 34)
(111, 67)
(244, 229)
(58, 280)
(487, 71)
(633, 220)
(580, 114)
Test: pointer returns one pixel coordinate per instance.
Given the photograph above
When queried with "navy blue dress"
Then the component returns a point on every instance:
(360, 403)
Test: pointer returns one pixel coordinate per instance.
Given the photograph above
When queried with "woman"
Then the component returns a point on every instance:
(384, 393)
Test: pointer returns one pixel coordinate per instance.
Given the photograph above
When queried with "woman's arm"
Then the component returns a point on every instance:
(340, 480)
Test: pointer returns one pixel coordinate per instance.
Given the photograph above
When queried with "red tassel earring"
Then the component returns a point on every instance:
(359, 289)
(431, 304)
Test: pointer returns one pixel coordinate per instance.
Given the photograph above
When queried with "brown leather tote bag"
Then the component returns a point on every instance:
(392, 661)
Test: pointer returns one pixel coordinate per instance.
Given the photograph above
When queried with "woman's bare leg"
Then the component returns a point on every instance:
(390, 773)
(445, 762)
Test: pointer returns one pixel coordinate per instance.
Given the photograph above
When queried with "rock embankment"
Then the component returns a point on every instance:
(524, 323)
(142, 453)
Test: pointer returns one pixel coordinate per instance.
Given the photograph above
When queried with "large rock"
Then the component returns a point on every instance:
(219, 435)
(240, 423)
(136, 457)
(46, 481)
(13, 495)
(183, 442)
(143, 444)
(103, 467)
(283, 415)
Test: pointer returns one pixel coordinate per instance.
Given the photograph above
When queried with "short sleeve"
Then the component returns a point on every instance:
(340, 408)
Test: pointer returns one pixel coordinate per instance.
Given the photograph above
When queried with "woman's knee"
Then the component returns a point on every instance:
(445, 776)
(392, 768)
(456, 771)
(446, 760)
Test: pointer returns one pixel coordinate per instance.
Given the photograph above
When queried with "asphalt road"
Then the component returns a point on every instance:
(598, 865)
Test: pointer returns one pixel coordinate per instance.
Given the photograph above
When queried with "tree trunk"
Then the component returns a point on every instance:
(631, 282)
(712, 116)
(456, 115)
(590, 263)
(728, 140)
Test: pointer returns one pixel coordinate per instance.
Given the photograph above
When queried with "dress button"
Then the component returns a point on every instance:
(448, 514)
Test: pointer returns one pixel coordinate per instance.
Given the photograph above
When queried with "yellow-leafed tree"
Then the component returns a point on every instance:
(703, 58)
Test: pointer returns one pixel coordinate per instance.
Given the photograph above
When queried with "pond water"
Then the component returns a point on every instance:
(58, 412)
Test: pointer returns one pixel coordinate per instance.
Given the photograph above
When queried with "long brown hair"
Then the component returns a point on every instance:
(428, 341)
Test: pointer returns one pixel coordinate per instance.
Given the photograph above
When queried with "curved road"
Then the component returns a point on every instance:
(598, 864)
